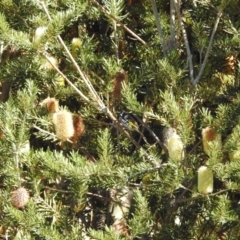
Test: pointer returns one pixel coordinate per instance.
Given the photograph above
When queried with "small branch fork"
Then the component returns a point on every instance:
(120, 23)
(194, 80)
(92, 91)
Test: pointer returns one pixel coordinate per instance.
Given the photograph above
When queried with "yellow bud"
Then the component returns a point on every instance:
(76, 44)
(175, 148)
(63, 123)
(147, 179)
(205, 180)
(60, 81)
(210, 135)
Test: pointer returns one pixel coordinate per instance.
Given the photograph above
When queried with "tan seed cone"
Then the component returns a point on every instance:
(20, 197)
(210, 135)
(205, 180)
(63, 123)
(51, 104)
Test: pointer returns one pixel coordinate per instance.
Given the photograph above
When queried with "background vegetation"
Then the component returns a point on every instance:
(127, 69)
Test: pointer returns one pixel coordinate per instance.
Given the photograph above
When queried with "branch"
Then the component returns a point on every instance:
(159, 28)
(158, 141)
(96, 97)
(202, 196)
(48, 133)
(196, 80)
(193, 80)
(84, 78)
(189, 54)
(67, 80)
(172, 25)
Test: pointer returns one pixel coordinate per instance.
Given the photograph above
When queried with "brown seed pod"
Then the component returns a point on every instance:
(20, 197)
(79, 128)
(120, 77)
(51, 104)
(1, 135)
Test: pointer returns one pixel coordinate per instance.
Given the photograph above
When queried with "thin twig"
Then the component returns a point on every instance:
(84, 78)
(189, 54)
(196, 80)
(159, 28)
(158, 141)
(202, 196)
(120, 23)
(193, 80)
(50, 134)
(67, 80)
(108, 199)
(96, 96)
(172, 26)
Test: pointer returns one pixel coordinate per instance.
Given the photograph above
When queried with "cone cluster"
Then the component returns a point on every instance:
(67, 126)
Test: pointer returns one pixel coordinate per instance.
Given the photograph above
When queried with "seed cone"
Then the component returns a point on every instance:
(210, 135)
(205, 180)
(63, 123)
(120, 77)
(175, 148)
(20, 197)
(51, 104)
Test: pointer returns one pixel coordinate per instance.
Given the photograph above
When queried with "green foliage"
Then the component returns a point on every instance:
(77, 186)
